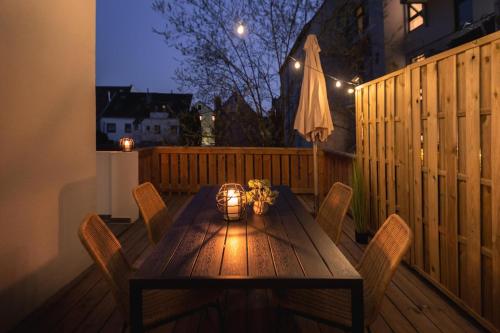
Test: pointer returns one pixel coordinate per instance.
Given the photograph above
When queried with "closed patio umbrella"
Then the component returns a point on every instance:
(313, 120)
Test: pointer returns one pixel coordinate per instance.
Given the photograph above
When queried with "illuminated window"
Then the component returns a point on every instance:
(111, 127)
(416, 15)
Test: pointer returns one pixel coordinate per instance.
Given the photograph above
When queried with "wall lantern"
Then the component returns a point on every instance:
(231, 201)
(127, 144)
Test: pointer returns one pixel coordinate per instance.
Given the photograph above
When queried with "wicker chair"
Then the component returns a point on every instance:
(333, 209)
(153, 210)
(377, 266)
(158, 306)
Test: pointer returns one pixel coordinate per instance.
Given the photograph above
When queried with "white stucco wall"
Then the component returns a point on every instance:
(47, 134)
(120, 128)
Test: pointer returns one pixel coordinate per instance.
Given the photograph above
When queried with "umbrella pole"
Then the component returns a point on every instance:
(315, 161)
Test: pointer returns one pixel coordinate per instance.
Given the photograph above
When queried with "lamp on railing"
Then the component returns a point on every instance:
(231, 201)
(126, 144)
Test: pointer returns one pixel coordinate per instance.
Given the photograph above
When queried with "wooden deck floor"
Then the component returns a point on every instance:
(86, 304)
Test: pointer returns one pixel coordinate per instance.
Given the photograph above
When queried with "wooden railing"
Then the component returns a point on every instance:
(428, 140)
(185, 169)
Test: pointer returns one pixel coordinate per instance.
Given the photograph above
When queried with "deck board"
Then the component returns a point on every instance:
(86, 304)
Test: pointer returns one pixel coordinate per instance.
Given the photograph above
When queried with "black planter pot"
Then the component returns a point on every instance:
(361, 237)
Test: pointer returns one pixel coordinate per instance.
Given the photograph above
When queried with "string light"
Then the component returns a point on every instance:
(338, 82)
(240, 29)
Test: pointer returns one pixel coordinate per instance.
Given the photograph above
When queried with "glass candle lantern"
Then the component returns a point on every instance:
(231, 201)
(127, 144)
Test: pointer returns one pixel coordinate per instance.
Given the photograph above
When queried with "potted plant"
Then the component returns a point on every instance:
(359, 205)
(261, 195)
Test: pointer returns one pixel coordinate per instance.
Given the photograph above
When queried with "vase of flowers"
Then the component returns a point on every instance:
(260, 195)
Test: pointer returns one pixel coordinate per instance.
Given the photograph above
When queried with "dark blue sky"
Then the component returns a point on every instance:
(128, 52)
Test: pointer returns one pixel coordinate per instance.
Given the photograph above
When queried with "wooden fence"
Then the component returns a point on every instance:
(185, 169)
(428, 140)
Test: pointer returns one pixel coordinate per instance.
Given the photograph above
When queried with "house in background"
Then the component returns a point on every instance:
(402, 32)
(389, 35)
(149, 118)
(207, 119)
(236, 123)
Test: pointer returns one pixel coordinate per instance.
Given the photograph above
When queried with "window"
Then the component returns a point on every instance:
(111, 127)
(128, 128)
(157, 129)
(360, 19)
(147, 128)
(463, 13)
(416, 15)
(136, 127)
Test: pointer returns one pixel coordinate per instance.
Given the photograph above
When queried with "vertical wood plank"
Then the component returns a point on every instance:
(294, 171)
(432, 175)
(249, 170)
(381, 147)
(495, 174)
(165, 172)
(389, 107)
(366, 150)
(240, 168)
(174, 172)
(448, 97)
(212, 169)
(266, 167)
(417, 166)
(359, 127)
(184, 176)
(221, 169)
(193, 173)
(303, 173)
(155, 169)
(257, 166)
(472, 136)
(203, 169)
(231, 168)
(408, 142)
(285, 169)
(373, 157)
(276, 169)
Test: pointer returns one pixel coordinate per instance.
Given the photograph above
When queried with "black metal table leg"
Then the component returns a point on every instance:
(357, 307)
(135, 308)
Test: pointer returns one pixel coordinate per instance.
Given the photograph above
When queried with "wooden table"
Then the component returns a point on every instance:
(284, 248)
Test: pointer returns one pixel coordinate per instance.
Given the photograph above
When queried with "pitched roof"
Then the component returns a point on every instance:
(139, 105)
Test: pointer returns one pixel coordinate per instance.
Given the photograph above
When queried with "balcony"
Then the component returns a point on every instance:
(85, 304)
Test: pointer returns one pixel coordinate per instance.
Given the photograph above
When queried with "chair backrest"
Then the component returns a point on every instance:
(153, 210)
(107, 253)
(333, 209)
(380, 261)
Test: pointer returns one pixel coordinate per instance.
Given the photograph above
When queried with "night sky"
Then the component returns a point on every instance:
(127, 50)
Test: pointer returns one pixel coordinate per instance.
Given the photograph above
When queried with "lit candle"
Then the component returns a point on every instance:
(233, 203)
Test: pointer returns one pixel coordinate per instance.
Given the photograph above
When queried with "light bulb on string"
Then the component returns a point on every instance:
(338, 84)
(350, 91)
(240, 29)
(296, 65)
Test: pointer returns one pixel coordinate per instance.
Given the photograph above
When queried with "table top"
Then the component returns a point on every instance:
(283, 248)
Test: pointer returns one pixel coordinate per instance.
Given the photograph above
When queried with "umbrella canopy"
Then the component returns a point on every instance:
(313, 120)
